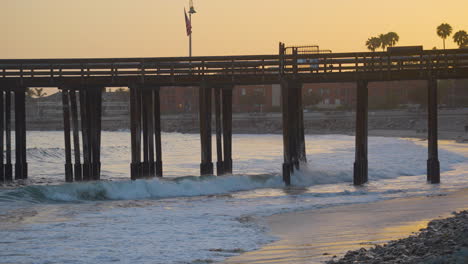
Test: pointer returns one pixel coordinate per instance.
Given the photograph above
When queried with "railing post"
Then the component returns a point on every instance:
(433, 165)
(360, 164)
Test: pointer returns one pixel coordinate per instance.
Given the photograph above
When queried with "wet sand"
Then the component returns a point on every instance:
(318, 235)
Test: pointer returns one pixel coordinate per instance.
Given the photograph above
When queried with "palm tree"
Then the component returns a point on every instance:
(373, 43)
(392, 38)
(384, 41)
(461, 38)
(444, 30)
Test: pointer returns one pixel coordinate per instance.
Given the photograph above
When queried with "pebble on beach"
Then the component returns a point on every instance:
(443, 241)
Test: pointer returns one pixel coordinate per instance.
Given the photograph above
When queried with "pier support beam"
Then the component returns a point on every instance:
(293, 127)
(360, 164)
(206, 165)
(219, 143)
(21, 166)
(2, 122)
(145, 122)
(433, 165)
(90, 108)
(76, 136)
(135, 131)
(8, 166)
(157, 131)
(66, 129)
(226, 95)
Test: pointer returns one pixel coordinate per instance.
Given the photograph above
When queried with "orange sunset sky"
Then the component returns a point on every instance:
(156, 28)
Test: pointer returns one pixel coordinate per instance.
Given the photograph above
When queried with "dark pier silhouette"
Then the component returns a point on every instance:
(83, 80)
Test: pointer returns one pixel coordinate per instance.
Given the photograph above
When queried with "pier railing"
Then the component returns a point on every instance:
(446, 61)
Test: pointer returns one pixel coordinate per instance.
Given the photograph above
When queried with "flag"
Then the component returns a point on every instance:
(188, 24)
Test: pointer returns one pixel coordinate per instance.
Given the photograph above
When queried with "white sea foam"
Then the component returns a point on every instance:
(201, 219)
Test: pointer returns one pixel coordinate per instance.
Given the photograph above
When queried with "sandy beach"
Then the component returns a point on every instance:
(318, 235)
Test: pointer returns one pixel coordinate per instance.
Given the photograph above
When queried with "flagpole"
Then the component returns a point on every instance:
(190, 37)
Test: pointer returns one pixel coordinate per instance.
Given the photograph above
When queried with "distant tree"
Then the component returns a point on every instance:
(35, 92)
(373, 43)
(392, 38)
(121, 90)
(311, 98)
(461, 38)
(444, 30)
(29, 92)
(38, 92)
(384, 41)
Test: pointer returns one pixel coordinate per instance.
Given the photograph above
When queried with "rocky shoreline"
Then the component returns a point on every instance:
(443, 241)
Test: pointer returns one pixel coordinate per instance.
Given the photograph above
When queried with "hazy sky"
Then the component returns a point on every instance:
(154, 28)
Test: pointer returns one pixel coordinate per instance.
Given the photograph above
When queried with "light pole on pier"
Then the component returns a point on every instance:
(191, 11)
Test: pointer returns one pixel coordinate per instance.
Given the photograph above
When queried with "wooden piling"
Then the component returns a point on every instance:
(76, 136)
(2, 128)
(219, 146)
(157, 131)
(144, 120)
(360, 164)
(206, 165)
(66, 129)
(285, 107)
(85, 134)
(150, 120)
(302, 155)
(227, 128)
(8, 166)
(135, 133)
(433, 165)
(20, 134)
(95, 102)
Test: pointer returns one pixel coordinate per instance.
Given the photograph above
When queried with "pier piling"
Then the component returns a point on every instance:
(20, 134)
(226, 94)
(219, 143)
(360, 165)
(2, 132)
(90, 108)
(8, 166)
(66, 129)
(135, 133)
(206, 165)
(76, 136)
(157, 131)
(293, 127)
(145, 122)
(433, 165)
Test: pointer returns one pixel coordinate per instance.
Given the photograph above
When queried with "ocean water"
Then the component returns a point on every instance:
(184, 218)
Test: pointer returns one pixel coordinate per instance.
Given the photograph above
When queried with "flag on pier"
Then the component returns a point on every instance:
(188, 24)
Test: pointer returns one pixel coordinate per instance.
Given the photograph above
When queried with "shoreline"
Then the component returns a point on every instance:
(316, 236)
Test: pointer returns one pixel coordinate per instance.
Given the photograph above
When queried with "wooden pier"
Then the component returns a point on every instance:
(82, 80)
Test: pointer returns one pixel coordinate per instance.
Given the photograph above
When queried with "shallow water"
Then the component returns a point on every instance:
(197, 219)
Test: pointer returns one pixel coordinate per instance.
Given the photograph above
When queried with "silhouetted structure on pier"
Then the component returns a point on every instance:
(216, 77)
